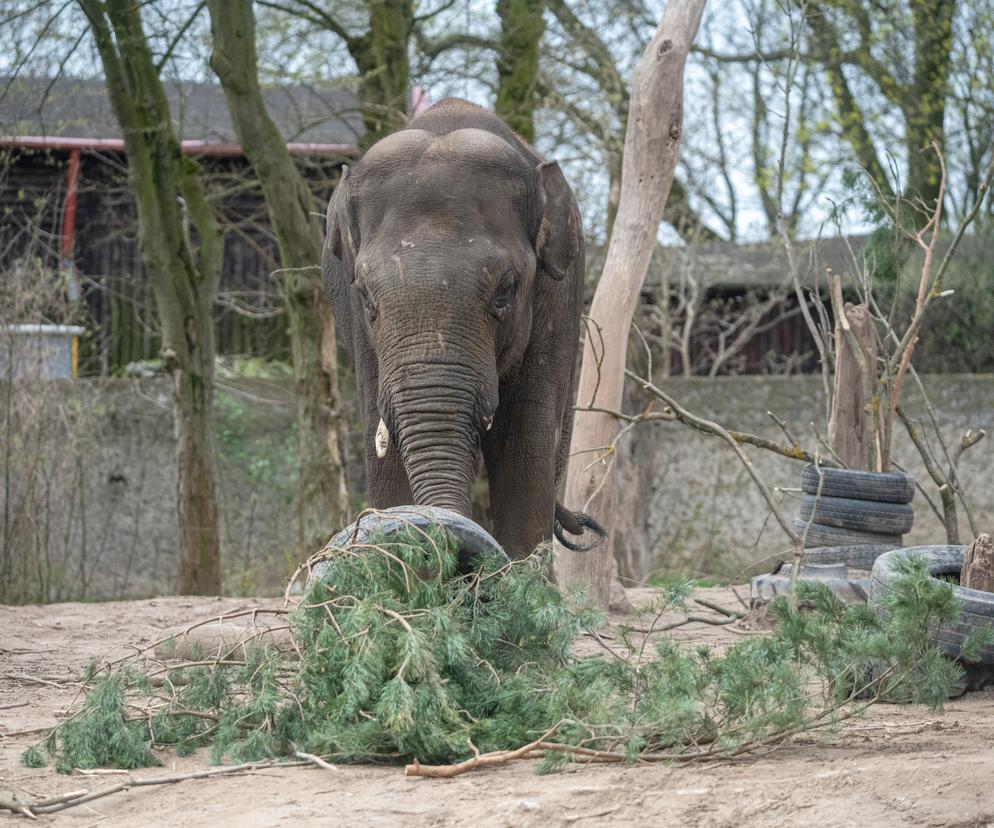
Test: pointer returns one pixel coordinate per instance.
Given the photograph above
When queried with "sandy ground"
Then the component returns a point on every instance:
(896, 766)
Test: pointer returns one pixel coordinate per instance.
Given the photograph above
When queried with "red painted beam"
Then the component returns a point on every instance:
(69, 207)
(69, 225)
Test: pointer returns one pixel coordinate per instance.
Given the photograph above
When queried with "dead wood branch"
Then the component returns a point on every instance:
(690, 619)
(735, 439)
(853, 392)
(317, 760)
(718, 608)
(829, 718)
(794, 452)
(74, 798)
(16, 807)
(652, 142)
(978, 565)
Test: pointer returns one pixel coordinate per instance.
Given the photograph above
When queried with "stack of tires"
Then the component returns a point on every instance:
(852, 517)
(976, 607)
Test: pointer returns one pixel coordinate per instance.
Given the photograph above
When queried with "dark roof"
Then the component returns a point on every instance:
(765, 264)
(730, 266)
(74, 108)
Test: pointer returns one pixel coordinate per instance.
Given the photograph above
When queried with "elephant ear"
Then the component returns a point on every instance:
(340, 237)
(338, 257)
(560, 236)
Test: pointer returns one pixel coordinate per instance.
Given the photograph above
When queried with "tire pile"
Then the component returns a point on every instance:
(943, 561)
(852, 517)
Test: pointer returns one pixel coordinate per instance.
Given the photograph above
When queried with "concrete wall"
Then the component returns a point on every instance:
(106, 524)
(703, 514)
(99, 520)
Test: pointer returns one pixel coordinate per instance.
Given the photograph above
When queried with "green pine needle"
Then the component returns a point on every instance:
(399, 657)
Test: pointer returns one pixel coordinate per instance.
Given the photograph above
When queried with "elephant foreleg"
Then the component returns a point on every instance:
(520, 452)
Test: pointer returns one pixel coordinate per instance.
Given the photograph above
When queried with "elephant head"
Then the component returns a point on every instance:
(442, 249)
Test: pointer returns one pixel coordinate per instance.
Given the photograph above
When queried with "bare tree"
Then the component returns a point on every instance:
(380, 52)
(182, 245)
(521, 29)
(321, 497)
(652, 142)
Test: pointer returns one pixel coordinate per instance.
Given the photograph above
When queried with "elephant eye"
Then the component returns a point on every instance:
(367, 303)
(505, 294)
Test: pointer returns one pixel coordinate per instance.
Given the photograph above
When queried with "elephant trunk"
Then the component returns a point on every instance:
(437, 430)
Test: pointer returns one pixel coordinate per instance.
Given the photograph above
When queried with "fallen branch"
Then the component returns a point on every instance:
(537, 749)
(33, 680)
(317, 760)
(718, 608)
(690, 619)
(70, 800)
(735, 439)
(16, 807)
(479, 760)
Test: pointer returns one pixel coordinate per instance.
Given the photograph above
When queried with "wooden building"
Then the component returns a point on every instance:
(65, 202)
(732, 308)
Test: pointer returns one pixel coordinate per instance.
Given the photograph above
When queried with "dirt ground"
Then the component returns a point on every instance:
(898, 765)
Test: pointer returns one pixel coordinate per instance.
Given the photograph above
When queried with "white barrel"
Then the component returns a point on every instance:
(37, 351)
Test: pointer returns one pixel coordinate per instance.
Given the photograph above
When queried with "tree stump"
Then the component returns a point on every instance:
(978, 565)
(850, 428)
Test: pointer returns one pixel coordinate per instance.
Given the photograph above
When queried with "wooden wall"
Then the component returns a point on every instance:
(119, 305)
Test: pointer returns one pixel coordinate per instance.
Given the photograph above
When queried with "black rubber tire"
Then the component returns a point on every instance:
(855, 556)
(473, 539)
(820, 534)
(883, 487)
(978, 606)
(861, 515)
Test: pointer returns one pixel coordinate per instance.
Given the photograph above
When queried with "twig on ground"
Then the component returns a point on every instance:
(29, 732)
(74, 798)
(16, 807)
(317, 760)
(718, 608)
(479, 760)
(690, 619)
(33, 680)
(571, 818)
(707, 751)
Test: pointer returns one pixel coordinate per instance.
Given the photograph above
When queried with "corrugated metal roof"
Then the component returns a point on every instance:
(74, 108)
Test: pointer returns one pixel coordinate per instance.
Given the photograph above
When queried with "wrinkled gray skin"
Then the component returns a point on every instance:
(454, 265)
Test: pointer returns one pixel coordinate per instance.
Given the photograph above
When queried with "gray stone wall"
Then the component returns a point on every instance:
(704, 516)
(91, 513)
(91, 506)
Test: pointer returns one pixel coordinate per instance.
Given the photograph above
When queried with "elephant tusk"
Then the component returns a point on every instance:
(487, 423)
(382, 440)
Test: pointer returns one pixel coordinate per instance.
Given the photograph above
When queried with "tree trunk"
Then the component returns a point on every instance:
(925, 104)
(381, 55)
(322, 503)
(521, 30)
(850, 426)
(652, 145)
(978, 565)
(183, 249)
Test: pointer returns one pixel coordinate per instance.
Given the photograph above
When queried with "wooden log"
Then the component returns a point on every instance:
(850, 425)
(978, 565)
(652, 144)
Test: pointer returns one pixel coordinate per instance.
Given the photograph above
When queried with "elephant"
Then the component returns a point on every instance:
(453, 261)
